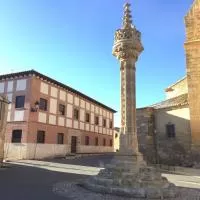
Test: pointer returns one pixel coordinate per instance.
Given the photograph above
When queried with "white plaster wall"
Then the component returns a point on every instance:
(52, 119)
(100, 111)
(100, 130)
(82, 126)
(96, 109)
(10, 86)
(42, 117)
(76, 101)
(92, 128)
(87, 127)
(16, 151)
(100, 121)
(82, 115)
(107, 114)
(8, 116)
(104, 113)
(44, 88)
(82, 104)
(104, 131)
(53, 106)
(19, 115)
(69, 123)
(92, 118)
(54, 92)
(92, 107)
(2, 86)
(69, 110)
(76, 124)
(111, 116)
(69, 98)
(95, 149)
(62, 95)
(39, 151)
(21, 84)
(87, 106)
(61, 121)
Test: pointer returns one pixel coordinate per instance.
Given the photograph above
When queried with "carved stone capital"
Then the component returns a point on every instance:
(127, 44)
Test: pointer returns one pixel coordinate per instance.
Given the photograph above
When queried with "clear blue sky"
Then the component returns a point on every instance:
(71, 41)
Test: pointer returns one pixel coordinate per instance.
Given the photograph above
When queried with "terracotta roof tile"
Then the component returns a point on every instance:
(180, 100)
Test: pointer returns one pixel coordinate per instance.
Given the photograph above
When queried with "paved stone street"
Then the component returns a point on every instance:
(35, 179)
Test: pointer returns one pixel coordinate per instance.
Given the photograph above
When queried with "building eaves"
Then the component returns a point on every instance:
(180, 100)
(44, 77)
(170, 86)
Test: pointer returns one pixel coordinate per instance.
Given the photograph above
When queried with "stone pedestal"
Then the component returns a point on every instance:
(129, 176)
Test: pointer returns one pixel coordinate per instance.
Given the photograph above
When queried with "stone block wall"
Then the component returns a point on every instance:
(192, 49)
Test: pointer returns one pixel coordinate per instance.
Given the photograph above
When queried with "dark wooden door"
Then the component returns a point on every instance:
(73, 144)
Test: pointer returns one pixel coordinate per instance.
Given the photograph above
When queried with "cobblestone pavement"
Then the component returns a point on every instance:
(74, 192)
(52, 179)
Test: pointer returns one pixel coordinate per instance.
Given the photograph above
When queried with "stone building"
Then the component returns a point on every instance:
(171, 127)
(3, 118)
(47, 118)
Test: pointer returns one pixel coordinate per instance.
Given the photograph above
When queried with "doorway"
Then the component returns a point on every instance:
(73, 144)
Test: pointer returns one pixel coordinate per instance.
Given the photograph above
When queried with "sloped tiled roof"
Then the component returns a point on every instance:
(180, 100)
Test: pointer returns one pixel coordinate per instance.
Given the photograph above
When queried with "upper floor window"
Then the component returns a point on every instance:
(43, 104)
(62, 109)
(111, 124)
(87, 140)
(87, 117)
(104, 122)
(76, 114)
(16, 136)
(60, 138)
(170, 130)
(20, 100)
(96, 120)
(40, 136)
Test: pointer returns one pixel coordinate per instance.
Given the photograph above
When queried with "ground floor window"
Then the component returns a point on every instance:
(87, 140)
(104, 142)
(40, 136)
(96, 141)
(111, 142)
(16, 136)
(60, 138)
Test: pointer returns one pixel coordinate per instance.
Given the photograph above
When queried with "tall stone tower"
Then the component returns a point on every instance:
(127, 47)
(192, 49)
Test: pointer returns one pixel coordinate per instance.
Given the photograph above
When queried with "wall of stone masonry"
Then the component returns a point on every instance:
(153, 141)
(145, 134)
(192, 49)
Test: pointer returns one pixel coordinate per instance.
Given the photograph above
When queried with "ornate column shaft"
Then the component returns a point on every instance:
(127, 47)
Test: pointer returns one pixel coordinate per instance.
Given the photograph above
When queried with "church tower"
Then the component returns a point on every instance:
(192, 49)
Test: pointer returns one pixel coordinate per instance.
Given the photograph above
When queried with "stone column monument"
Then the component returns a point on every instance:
(128, 174)
(127, 47)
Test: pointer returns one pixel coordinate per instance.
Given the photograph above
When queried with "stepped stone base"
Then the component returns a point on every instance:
(128, 175)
